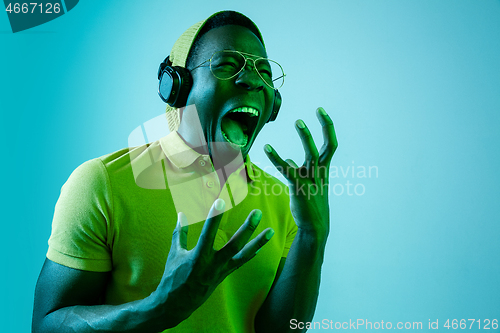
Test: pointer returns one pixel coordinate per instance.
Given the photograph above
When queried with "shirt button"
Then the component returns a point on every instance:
(210, 184)
(202, 163)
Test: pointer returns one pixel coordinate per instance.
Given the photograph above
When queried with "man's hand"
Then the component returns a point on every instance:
(295, 292)
(67, 299)
(309, 183)
(191, 276)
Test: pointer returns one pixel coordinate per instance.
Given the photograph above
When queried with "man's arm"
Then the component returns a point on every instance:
(66, 299)
(295, 292)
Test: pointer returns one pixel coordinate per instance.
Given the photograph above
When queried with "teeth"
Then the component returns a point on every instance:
(251, 111)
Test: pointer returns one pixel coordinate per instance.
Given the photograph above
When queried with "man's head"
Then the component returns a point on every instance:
(229, 110)
(217, 20)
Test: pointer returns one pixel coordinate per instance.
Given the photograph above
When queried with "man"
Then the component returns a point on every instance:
(107, 268)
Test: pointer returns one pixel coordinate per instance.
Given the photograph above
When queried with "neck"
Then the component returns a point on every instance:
(224, 164)
(221, 154)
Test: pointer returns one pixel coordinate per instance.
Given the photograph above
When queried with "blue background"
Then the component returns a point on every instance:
(413, 88)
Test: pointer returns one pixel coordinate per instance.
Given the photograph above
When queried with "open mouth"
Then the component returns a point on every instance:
(239, 124)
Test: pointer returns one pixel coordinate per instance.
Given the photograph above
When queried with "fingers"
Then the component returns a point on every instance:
(291, 163)
(241, 237)
(311, 152)
(316, 162)
(251, 248)
(179, 237)
(293, 169)
(330, 143)
(278, 162)
(206, 241)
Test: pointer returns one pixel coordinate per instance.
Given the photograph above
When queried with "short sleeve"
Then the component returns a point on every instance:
(82, 218)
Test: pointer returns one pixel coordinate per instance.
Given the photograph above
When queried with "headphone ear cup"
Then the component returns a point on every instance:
(175, 85)
(276, 106)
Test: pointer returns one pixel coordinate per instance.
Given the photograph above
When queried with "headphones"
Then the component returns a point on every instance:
(176, 82)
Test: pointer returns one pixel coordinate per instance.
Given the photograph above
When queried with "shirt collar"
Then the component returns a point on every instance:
(182, 156)
(177, 151)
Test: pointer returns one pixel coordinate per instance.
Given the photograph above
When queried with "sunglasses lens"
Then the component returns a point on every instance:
(226, 64)
(271, 72)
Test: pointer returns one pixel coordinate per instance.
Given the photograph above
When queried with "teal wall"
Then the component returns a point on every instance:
(414, 91)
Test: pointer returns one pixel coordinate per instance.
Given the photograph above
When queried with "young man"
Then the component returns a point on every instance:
(118, 261)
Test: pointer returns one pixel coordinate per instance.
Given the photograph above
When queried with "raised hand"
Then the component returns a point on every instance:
(191, 276)
(309, 182)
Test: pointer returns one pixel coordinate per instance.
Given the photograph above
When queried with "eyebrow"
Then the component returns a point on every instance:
(248, 54)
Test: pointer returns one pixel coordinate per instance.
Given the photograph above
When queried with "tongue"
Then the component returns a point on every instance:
(233, 131)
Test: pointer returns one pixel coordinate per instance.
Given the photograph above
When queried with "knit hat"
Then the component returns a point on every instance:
(182, 47)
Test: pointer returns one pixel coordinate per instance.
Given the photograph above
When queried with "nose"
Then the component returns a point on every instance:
(249, 79)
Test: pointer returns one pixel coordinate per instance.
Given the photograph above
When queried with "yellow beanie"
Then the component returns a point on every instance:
(178, 57)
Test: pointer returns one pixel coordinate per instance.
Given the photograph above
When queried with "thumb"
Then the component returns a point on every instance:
(179, 237)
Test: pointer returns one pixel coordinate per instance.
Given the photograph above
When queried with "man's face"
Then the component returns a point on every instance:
(218, 101)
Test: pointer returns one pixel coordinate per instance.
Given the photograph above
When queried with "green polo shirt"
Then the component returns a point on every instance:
(117, 213)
